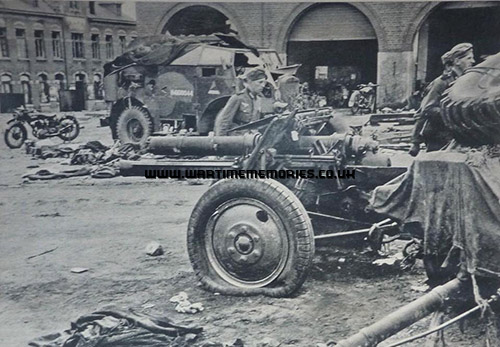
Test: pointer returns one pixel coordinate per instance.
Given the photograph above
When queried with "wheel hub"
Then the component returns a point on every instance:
(246, 243)
(135, 129)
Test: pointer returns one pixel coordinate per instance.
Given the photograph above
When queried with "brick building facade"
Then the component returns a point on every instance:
(49, 45)
(399, 42)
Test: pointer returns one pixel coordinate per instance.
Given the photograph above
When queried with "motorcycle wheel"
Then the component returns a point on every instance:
(354, 102)
(15, 135)
(73, 128)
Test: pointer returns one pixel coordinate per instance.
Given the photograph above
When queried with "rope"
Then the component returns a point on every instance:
(442, 326)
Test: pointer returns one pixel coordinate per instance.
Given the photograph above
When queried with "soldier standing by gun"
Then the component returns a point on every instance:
(429, 127)
(243, 107)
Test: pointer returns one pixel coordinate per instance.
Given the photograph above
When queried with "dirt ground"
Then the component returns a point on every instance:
(104, 225)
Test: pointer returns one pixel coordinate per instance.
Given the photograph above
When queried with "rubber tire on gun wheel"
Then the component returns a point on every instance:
(291, 245)
(75, 124)
(137, 117)
(24, 135)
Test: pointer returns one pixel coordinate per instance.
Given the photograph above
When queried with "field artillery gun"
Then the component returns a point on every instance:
(256, 236)
(469, 169)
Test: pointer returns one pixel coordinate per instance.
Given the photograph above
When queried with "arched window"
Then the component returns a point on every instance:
(26, 88)
(98, 87)
(59, 81)
(6, 84)
(80, 77)
(44, 88)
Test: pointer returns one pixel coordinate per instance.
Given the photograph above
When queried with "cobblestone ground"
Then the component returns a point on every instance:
(104, 225)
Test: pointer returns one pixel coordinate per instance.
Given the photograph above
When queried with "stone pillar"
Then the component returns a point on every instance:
(396, 72)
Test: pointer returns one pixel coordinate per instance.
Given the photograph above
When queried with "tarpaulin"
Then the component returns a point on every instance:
(113, 327)
(455, 197)
(154, 50)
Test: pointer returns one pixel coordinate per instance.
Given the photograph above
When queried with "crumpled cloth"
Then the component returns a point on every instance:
(455, 197)
(117, 328)
(46, 174)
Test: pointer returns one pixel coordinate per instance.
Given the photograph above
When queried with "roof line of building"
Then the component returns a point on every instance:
(28, 12)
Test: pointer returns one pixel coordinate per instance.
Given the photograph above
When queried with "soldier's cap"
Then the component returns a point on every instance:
(460, 50)
(446, 58)
(254, 74)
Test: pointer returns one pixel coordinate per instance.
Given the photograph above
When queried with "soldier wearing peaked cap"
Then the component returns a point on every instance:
(429, 126)
(243, 107)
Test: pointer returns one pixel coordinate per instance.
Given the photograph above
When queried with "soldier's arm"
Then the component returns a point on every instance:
(430, 107)
(224, 120)
(431, 103)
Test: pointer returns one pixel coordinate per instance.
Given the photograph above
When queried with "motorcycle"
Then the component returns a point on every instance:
(363, 98)
(42, 125)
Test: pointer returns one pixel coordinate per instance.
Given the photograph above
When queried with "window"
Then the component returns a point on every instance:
(39, 44)
(6, 86)
(96, 49)
(109, 47)
(98, 92)
(59, 81)
(22, 47)
(123, 43)
(4, 44)
(73, 4)
(44, 88)
(208, 71)
(92, 7)
(56, 45)
(35, 3)
(77, 45)
(26, 87)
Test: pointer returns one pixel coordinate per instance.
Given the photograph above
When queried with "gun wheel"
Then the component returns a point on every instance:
(249, 237)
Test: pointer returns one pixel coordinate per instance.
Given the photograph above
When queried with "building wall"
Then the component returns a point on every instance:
(66, 22)
(269, 25)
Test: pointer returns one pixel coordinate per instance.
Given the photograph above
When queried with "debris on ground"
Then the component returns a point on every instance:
(421, 288)
(268, 342)
(154, 249)
(42, 253)
(115, 327)
(79, 270)
(184, 305)
(385, 261)
(93, 158)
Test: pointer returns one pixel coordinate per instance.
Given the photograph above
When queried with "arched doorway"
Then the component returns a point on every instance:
(337, 47)
(26, 88)
(477, 22)
(198, 20)
(97, 86)
(60, 81)
(43, 88)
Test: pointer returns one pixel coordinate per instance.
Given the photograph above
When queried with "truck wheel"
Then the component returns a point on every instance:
(134, 125)
(250, 237)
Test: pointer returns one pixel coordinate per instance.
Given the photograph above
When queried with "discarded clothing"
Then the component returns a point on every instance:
(105, 172)
(45, 174)
(455, 197)
(113, 327)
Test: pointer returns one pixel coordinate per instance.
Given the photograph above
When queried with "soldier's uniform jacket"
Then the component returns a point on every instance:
(241, 108)
(429, 126)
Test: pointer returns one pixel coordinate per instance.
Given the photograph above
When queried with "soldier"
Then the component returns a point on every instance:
(243, 107)
(429, 127)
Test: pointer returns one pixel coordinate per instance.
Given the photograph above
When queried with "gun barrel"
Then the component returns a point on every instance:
(203, 145)
(403, 317)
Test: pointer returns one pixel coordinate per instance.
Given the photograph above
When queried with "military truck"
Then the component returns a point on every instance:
(179, 83)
